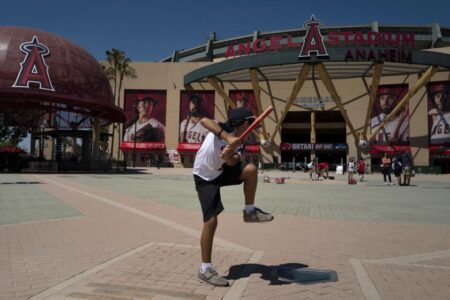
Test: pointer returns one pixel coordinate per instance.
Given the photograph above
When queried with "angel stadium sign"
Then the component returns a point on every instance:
(360, 45)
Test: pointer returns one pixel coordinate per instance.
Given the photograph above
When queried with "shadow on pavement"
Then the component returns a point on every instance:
(283, 274)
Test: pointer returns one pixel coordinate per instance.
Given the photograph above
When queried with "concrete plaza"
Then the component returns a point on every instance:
(136, 235)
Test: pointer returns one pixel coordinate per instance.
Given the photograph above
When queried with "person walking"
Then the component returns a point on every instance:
(312, 169)
(361, 168)
(351, 171)
(386, 169)
(397, 168)
(408, 166)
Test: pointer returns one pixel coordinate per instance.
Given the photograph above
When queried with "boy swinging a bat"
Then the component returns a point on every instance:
(218, 163)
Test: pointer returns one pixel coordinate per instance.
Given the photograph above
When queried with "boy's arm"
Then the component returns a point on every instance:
(215, 128)
(230, 156)
(228, 153)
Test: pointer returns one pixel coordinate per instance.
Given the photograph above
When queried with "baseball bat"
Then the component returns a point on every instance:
(256, 122)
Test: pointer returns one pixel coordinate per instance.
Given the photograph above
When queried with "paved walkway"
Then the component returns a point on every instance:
(136, 236)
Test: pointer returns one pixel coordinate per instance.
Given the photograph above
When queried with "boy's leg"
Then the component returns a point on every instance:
(250, 177)
(209, 196)
(207, 238)
(207, 273)
(406, 175)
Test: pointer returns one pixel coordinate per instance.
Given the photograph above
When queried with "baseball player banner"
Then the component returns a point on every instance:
(438, 113)
(194, 105)
(395, 131)
(146, 117)
(246, 98)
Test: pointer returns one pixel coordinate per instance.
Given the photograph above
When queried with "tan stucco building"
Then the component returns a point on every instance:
(324, 96)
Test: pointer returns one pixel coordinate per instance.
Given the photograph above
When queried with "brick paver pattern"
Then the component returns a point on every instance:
(136, 236)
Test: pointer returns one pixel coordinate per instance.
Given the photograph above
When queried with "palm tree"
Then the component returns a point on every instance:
(118, 68)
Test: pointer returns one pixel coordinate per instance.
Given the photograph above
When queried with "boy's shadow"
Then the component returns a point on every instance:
(282, 274)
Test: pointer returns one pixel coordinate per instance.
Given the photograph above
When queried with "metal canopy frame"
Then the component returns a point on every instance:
(286, 66)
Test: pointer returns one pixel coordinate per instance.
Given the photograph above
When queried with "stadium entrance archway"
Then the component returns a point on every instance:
(302, 130)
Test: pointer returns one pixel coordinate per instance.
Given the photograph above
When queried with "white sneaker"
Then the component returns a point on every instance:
(386, 183)
(210, 276)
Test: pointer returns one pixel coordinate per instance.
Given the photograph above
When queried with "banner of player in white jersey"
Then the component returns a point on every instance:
(395, 131)
(146, 116)
(193, 107)
(439, 113)
(246, 98)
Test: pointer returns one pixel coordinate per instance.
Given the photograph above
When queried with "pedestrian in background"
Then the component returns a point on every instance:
(397, 168)
(408, 166)
(386, 169)
(351, 170)
(361, 168)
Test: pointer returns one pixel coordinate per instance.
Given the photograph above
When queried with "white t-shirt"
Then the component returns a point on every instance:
(386, 134)
(195, 132)
(351, 166)
(440, 130)
(208, 163)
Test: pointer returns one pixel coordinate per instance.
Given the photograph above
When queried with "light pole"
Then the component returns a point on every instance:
(134, 146)
(42, 126)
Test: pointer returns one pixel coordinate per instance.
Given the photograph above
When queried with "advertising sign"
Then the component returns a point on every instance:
(439, 113)
(395, 131)
(246, 99)
(194, 105)
(146, 117)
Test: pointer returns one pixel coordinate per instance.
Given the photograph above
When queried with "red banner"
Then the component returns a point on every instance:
(441, 150)
(252, 148)
(188, 147)
(130, 146)
(389, 149)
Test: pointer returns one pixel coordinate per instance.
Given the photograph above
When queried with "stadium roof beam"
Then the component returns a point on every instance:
(301, 78)
(212, 81)
(334, 94)
(377, 70)
(225, 97)
(411, 92)
(257, 93)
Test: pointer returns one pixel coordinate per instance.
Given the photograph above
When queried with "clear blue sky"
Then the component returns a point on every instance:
(151, 30)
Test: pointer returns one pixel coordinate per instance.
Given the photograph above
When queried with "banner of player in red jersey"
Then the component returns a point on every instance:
(194, 105)
(146, 116)
(246, 98)
(395, 131)
(439, 113)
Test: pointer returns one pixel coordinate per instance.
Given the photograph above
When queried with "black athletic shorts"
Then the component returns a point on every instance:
(209, 191)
